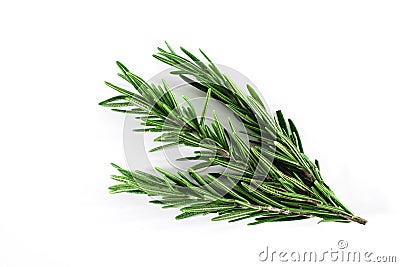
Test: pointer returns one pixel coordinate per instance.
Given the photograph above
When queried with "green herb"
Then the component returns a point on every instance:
(269, 179)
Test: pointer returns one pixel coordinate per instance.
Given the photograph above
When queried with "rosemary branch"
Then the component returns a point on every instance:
(269, 178)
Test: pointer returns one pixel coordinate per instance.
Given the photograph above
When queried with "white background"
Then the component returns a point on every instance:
(332, 66)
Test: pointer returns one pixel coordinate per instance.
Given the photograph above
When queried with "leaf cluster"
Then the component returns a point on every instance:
(268, 179)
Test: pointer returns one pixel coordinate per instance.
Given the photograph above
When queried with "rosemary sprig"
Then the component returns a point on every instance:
(269, 179)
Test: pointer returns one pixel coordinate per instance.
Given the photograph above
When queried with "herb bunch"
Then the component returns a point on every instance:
(268, 178)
